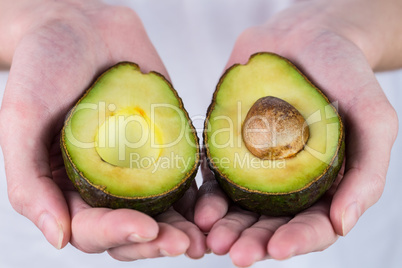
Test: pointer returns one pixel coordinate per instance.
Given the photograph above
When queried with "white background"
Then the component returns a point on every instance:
(194, 39)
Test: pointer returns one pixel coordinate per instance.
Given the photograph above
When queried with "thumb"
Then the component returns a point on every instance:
(367, 159)
(31, 189)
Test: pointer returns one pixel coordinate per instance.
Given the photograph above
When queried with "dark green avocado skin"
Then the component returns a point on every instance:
(96, 197)
(278, 204)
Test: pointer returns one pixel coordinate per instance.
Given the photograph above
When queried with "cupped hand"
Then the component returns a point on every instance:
(60, 47)
(328, 54)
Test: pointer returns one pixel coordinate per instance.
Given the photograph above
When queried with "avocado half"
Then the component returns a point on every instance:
(290, 154)
(129, 142)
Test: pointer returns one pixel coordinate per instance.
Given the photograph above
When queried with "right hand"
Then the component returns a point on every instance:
(341, 69)
(57, 49)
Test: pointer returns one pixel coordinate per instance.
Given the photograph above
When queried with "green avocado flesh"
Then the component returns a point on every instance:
(129, 142)
(277, 186)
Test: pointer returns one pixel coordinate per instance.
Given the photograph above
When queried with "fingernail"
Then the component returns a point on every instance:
(350, 217)
(165, 253)
(242, 266)
(194, 257)
(291, 255)
(137, 238)
(51, 229)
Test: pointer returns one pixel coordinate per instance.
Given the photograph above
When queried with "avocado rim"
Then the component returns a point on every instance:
(277, 203)
(97, 196)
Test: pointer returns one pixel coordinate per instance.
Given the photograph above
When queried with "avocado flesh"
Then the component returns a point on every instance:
(129, 139)
(281, 186)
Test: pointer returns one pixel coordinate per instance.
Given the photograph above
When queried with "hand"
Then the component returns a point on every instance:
(332, 60)
(60, 47)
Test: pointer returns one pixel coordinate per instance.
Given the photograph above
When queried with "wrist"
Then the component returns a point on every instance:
(365, 24)
(372, 25)
(18, 18)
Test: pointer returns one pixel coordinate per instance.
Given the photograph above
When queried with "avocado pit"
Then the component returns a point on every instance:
(274, 129)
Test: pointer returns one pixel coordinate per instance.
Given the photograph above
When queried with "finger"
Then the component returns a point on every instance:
(367, 159)
(212, 203)
(309, 231)
(95, 230)
(227, 230)
(170, 242)
(252, 244)
(197, 245)
(31, 190)
(185, 206)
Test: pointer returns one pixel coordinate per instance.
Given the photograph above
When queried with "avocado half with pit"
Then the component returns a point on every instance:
(129, 142)
(273, 140)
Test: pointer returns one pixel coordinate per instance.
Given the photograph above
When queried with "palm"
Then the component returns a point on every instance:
(52, 67)
(340, 69)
